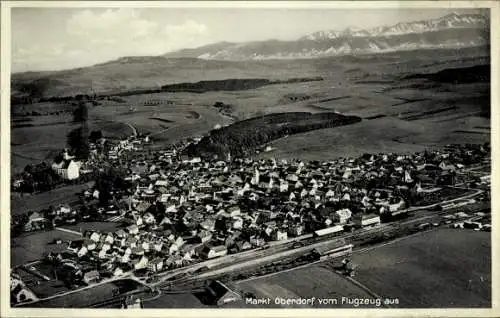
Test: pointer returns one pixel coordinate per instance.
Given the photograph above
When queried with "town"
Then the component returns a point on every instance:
(175, 211)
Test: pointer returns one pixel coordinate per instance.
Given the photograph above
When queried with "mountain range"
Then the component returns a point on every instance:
(450, 31)
(273, 59)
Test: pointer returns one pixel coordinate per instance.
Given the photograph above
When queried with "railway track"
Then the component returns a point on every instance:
(265, 256)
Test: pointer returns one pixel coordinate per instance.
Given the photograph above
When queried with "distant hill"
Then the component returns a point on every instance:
(151, 72)
(319, 53)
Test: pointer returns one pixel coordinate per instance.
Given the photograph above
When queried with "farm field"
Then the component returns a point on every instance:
(87, 297)
(41, 287)
(386, 134)
(96, 226)
(414, 113)
(313, 281)
(43, 137)
(34, 202)
(444, 268)
(31, 246)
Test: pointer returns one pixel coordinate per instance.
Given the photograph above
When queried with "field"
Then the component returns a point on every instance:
(85, 298)
(34, 202)
(432, 269)
(313, 281)
(443, 269)
(401, 113)
(32, 246)
(96, 226)
(40, 138)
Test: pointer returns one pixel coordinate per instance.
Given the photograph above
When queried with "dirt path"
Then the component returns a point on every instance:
(134, 130)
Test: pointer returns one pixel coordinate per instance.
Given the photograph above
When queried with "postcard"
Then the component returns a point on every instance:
(249, 158)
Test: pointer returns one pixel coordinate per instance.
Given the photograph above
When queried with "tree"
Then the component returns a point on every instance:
(28, 168)
(81, 113)
(95, 135)
(78, 141)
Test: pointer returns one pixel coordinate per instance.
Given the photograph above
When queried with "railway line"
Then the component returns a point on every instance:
(261, 257)
(195, 274)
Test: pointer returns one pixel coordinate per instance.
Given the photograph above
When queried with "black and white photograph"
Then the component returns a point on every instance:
(272, 156)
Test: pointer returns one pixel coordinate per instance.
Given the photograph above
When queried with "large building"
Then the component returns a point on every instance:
(67, 169)
(220, 294)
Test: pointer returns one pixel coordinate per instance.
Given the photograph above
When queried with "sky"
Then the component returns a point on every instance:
(63, 38)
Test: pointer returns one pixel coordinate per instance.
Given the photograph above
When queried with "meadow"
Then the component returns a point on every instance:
(32, 246)
(312, 281)
(404, 109)
(443, 269)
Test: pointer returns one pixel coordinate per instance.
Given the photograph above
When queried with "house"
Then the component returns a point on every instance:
(102, 254)
(133, 229)
(283, 186)
(63, 210)
(158, 246)
(67, 169)
(242, 245)
(146, 246)
(161, 183)
(173, 261)
(397, 206)
(296, 230)
(140, 168)
(95, 236)
(257, 241)
(138, 250)
(234, 210)
(368, 220)
(155, 265)
(237, 224)
(142, 206)
(208, 224)
(343, 215)
(204, 236)
(279, 235)
(75, 246)
(188, 250)
(330, 194)
(35, 222)
(109, 238)
(213, 251)
(90, 245)
(82, 251)
(140, 263)
(220, 294)
(132, 301)
(125, 258)
(117, 271)
(120, 233)
(149, 218)
(91, 277)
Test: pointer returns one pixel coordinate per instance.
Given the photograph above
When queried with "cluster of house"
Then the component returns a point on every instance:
(70, 169)
(182, 210)
(18, 290)
(480, 221)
